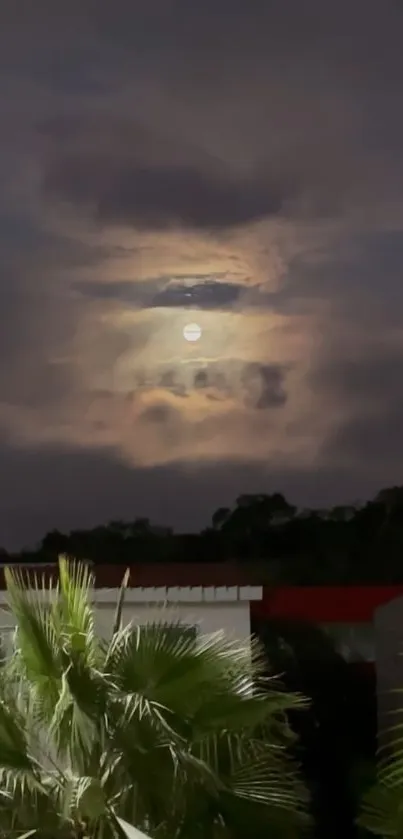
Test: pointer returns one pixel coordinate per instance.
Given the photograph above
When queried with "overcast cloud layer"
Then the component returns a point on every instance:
(237, 164)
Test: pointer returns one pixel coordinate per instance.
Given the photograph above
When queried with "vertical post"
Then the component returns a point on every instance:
(389, 666)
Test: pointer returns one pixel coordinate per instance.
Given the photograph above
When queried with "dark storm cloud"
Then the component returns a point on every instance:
(315, 115)
(371, 389)
(360, 276)
(182, 38)
(37, 313)
(313, 101)
(358, 368)
(370, 442)
(158, 197)
(372, 378)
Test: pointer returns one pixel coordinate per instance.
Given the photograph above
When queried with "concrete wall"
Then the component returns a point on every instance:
(234, 618)
(210, 609)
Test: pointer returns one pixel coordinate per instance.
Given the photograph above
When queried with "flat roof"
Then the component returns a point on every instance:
(314, 604)
(145, 575)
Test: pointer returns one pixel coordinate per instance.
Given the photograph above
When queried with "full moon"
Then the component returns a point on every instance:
(192, 332)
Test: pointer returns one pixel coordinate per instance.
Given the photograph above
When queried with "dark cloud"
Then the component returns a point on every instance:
(219, 380)
(170, 380)
(206, 295)
(201, 379)
(361, 278)
(371, 378)
(265, 385)
(135, 294)
(371, 442)
(254, 385)
(121, 173)
(34, 335)
(159, 413)
(167, 292)
(370, 388)
(177, 42)
(156, 198)
(305, 99)
(258, 386)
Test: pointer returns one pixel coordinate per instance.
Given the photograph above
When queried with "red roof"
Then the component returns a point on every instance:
(316, 604)
(324, 604)
(155, 574)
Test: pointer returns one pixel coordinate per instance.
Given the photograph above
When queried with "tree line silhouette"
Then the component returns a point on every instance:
(351, 544)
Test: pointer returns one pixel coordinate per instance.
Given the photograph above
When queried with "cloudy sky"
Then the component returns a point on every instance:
(238, 164)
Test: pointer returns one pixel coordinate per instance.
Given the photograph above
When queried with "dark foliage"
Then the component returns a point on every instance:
(337, 733)
(342, 545)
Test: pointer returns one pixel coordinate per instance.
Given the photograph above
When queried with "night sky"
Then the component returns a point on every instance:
(235, 164)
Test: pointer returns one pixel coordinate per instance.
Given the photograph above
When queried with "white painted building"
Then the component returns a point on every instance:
(208, 607)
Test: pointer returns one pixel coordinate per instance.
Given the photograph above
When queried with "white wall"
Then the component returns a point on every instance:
(234, 618)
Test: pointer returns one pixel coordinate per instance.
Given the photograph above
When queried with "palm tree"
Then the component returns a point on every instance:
(154, 727)
(382, 802)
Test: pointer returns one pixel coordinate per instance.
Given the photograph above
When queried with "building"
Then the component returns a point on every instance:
(352, 615)
(210, 596)
(364, 621)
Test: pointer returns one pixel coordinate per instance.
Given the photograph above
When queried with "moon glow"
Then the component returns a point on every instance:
(192, 332)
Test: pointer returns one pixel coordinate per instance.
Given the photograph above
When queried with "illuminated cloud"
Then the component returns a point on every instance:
(238, 167)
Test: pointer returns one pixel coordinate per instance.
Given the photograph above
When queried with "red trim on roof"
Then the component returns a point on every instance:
(316, 604)
(161, 574)
(324, 604)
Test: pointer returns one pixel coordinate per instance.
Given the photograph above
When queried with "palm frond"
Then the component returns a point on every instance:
(177, 733)
(381, 806)
(76, 608)
(381, 811)
(36, 643)
(13, 740)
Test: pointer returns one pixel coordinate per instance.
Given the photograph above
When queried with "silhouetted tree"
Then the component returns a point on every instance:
(345, 544)
(337, 735)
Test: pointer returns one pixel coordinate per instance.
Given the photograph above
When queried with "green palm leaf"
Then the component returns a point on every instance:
(382, 805)
(176, 733)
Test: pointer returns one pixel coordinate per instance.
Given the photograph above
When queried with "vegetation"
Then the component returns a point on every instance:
(342, 545)
(382, 803)
(336, 734)
(181, 737)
